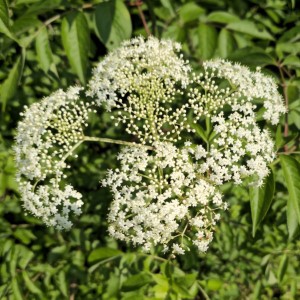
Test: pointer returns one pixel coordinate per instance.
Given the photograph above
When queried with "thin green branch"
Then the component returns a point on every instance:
(112, 141)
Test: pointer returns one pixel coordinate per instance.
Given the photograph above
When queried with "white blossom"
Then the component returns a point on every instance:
(144, 79)
(166, 189)
(227, 94)
(159, 201)
(46, 136)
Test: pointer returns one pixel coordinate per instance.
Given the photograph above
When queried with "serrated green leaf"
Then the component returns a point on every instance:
(43, 50)
(222, 17)
(136, 281)
(76, 41)
(30, 284)
(9, 86)
(103, 253)
(291, 171)
(260, 200)
(225, 43)
(250, 28)
(207, 41)
(112, 23)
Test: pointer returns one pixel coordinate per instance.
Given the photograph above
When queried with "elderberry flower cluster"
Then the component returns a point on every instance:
(46, 136)
(166, 189)
(226, 94)
(161, 198)
(145, 81)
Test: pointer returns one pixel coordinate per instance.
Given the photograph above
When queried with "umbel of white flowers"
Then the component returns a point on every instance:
(165, 191)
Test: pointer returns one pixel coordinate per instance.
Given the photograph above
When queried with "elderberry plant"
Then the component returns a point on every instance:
(166, 190)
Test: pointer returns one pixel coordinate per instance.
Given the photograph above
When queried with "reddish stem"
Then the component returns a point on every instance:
(138, 4)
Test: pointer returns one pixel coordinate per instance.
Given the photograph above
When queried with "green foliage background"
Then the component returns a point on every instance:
(50, 44)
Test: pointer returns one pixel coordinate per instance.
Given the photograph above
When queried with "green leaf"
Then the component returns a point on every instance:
(214, 284)
(16, 290)
(190, 12)
(225, 43)
(292, 35)
(291, 171)
(103, 253)
(292, 220)
(25, 257)
(282, 267)
(136, 281)
(9, 86)
(24, 23)
(222, 17)
(292, 48)
(24, 235)
(4, 18)
(207, 41)
(279, 140)
(30, 284)
(257, 290)
(76, 41)
(4, 21)
(181, 290)
(294, 118)
(260, 201)
(62, 283)
(112, 23)
(252, 57)
(251, 29)
(292, 61)
(43, 6)
(43, 50)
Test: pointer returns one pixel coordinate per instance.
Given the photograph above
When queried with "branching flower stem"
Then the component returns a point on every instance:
(112, 141)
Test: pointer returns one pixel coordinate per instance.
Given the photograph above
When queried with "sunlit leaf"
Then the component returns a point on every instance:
(207, 41)
(112, 23)
(9, 86)
(260, 200)
(76, 41)
(291, 171)
(250, 28)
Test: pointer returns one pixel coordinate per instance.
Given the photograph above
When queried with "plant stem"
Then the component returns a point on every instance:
(138, 4)
(112, 141)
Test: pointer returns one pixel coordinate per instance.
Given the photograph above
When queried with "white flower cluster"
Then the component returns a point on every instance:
(166, 189)
(251, 86)
(225, 93)
(46, 136)
(161, 198)
(145, 80)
